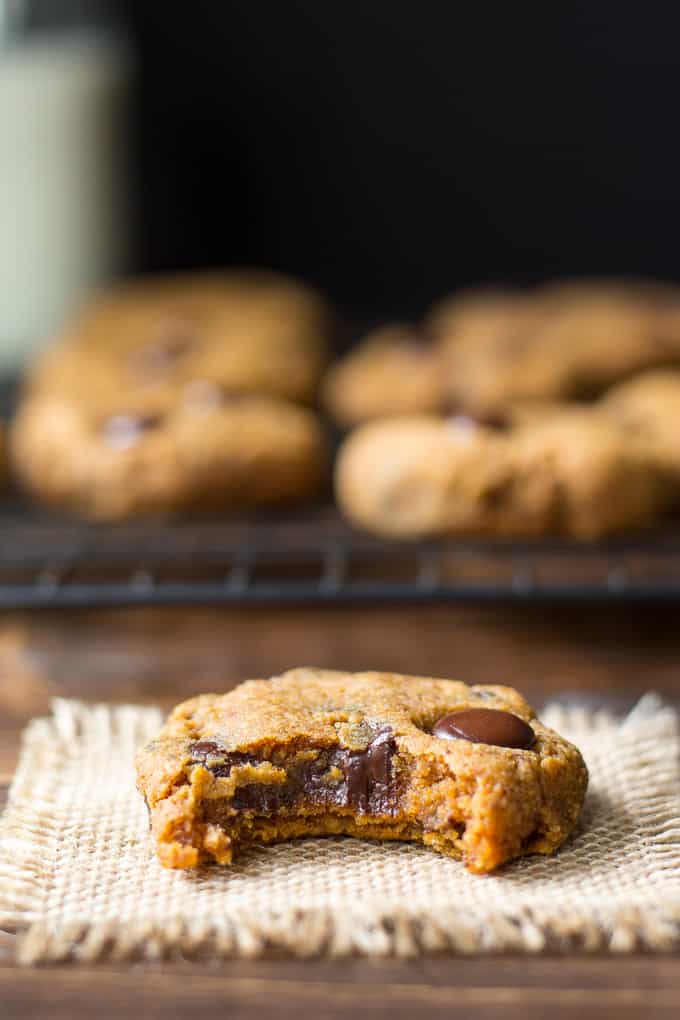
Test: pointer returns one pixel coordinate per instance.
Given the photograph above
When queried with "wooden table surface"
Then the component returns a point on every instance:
(605, 654)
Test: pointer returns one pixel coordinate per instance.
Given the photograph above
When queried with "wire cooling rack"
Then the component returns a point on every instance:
(308, 558)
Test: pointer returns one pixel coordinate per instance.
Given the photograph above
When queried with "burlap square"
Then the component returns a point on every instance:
(79, 879)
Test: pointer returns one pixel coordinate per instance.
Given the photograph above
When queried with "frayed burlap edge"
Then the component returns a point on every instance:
(25, 878)
(330, 934)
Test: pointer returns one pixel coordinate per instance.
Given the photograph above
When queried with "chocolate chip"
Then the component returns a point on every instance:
(124, 430)
(369, 772)
(485, 726)
(365, 779)
(495, 420)
(202, 748)
(498, 494)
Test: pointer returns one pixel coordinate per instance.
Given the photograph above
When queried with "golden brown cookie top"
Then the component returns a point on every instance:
(653, 394)
(246, 331)
(568, 339)
(324, 708)
(569, 472)
(392, 371)
(647, 408)
(130, 455)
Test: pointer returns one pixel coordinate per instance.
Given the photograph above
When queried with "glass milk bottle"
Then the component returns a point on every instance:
(63, 77)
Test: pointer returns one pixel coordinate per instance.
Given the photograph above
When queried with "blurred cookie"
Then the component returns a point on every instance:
(417, 477)
(567, 340)
(649, 407)
(208, 452)
(592, 479)
(604, 332)
(573, 475)
(393, 371)
(486, 340)
(244, 331)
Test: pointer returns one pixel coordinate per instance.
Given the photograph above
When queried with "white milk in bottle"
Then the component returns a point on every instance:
(62, 201)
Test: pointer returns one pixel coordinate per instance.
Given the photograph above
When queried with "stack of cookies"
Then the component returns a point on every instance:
(518, 414)
(177, 395)
(543, 412)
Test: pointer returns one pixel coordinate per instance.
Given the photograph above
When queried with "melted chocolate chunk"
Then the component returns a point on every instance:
(369, 773)
(200, 749)
(485, 726)
(218, 760)
(364, 781)
(124, 430)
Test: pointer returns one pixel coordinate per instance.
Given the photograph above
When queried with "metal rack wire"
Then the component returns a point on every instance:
(309, 558)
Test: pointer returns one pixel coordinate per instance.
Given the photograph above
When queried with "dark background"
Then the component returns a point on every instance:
(391, 151)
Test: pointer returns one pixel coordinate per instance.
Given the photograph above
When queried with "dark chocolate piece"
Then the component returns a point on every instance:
(201, 748)
(124, 430)
(362, 780)
(218, 760)
(485, 726)
(369, 772)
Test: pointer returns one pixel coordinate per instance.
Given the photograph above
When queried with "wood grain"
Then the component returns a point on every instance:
(161, 656)
(484, 989)
(164, 655)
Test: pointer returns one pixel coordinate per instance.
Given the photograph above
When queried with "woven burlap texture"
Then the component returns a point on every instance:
(79, 879)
